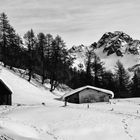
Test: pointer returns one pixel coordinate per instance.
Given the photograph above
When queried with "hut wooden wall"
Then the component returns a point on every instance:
(5, 99)
(74, 98)
(5, 94)
(89, 95)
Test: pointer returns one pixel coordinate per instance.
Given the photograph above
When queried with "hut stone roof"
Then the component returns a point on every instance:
(88, 87)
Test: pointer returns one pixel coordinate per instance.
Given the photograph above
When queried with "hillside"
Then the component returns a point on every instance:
(25, 92)
(29, 119)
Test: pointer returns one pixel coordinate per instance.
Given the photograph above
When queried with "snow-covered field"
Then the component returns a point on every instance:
(29, 119)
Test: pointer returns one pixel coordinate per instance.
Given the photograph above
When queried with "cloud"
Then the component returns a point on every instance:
(85, 20)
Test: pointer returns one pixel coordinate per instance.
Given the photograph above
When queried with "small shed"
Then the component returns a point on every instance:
(88, 94)
(5, 94)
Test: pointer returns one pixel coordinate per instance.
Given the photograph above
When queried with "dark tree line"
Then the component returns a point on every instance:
(41, 54)
(48, 57)
(95, 74)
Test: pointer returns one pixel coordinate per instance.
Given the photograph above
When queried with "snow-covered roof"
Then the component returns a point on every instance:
(88, 87)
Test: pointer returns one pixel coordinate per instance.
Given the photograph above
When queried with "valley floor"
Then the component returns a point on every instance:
(29, 119)
(118, 121)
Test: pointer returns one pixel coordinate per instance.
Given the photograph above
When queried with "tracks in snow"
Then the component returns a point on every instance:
(3, 111)
(127, 127)
(5, 137)
(127, 117)
(6, 109)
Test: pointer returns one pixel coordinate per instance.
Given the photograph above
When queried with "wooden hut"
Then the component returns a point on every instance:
(5, 94)
(88, 94)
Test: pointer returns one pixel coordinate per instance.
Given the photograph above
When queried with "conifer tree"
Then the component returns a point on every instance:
(59, 61)
(136, 83)
(108, 81)
(98, 70)
(41, 44)
(11, 47)
(122, 80)
(4, 27)
(48, 53)
(89, 63)
(30, 41)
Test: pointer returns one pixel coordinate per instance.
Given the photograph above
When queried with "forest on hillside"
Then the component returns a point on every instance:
(49, 57)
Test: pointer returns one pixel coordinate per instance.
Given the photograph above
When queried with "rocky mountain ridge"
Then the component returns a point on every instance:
(119, 43)
(111, 47)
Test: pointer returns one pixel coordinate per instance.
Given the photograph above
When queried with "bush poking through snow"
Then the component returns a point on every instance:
(18, 104)
(112, 109)
(43, 104)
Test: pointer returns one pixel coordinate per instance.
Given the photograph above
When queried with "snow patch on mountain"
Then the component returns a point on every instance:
(111, 48)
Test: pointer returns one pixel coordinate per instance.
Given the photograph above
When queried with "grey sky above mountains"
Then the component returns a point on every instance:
(77, 21)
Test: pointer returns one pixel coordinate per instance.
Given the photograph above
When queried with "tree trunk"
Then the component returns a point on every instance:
(4, 64)
(30, 75)
(43, 73)
(52, 85)
(43, 78)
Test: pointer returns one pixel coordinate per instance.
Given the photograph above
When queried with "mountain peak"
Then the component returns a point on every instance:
(111, 47)
(118, 42)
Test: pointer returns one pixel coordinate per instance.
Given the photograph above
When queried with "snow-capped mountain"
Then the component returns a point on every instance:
(119, 43)
(111, 47)
(78, 52)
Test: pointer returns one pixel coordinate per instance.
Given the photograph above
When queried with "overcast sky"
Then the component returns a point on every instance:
(77, 21)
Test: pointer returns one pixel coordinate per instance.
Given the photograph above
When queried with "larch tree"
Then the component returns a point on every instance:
(30, 42)
(58, 62)
(4, 26)
(12, 46)
(48, 54)
(108, 80)
(135, 87)
(41, 45)
(122, 80)
(98, 70)
(89, 63)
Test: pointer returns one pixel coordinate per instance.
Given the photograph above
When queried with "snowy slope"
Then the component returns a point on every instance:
(52, 121)
(23, 91)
